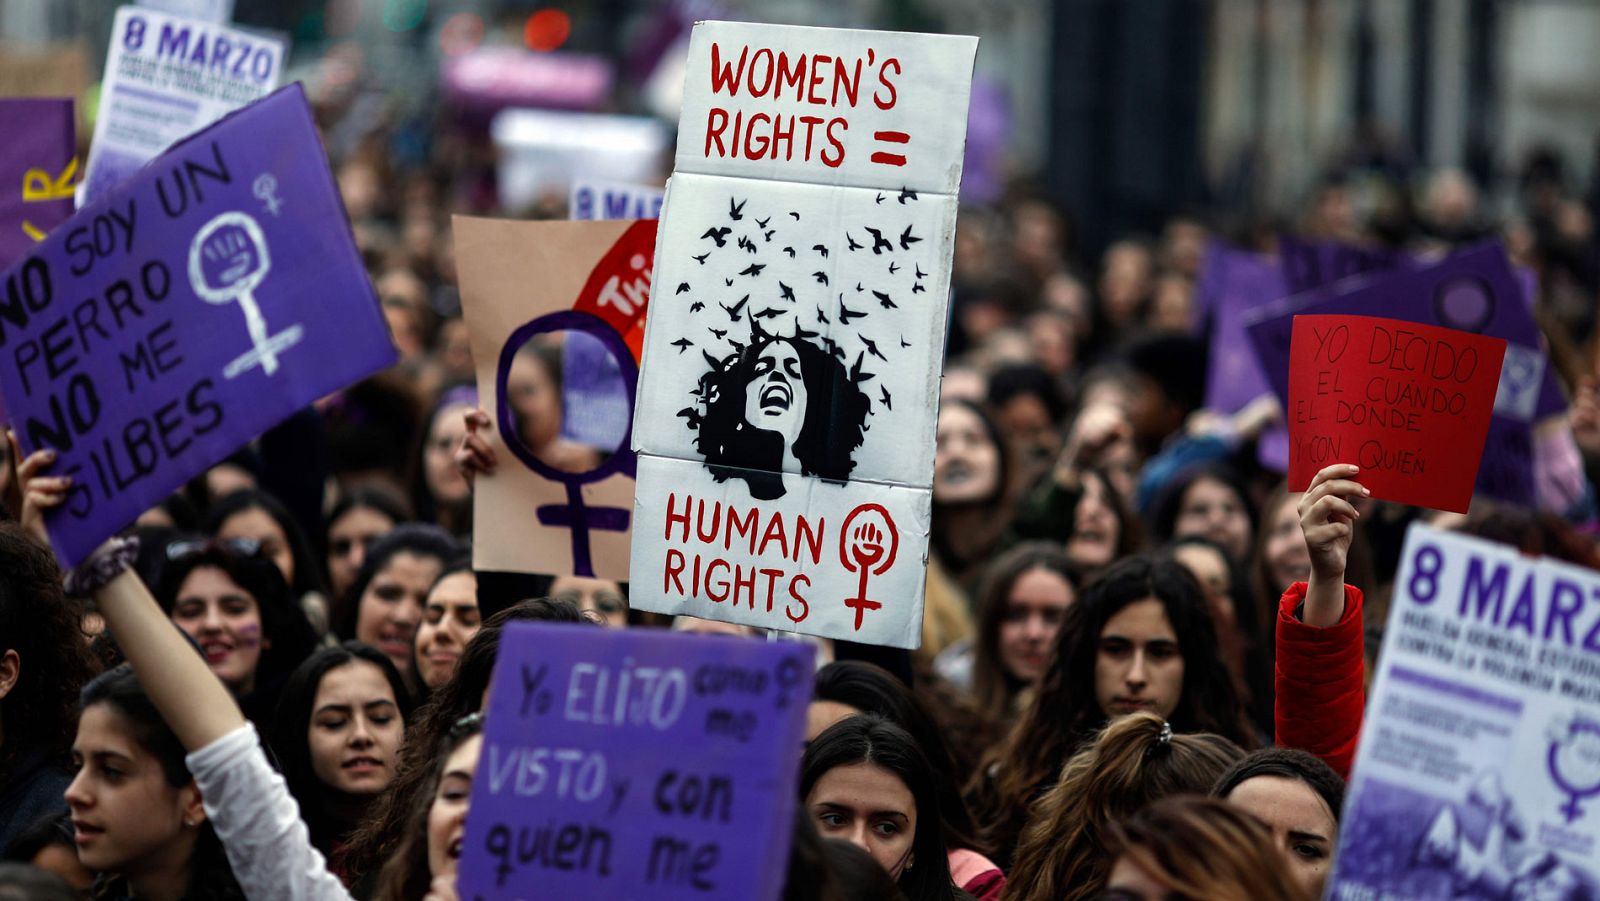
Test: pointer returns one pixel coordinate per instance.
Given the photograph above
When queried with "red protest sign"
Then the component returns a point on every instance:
(1408, 403)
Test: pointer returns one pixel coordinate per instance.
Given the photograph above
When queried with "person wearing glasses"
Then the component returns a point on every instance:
(233, 601)
(606, 600)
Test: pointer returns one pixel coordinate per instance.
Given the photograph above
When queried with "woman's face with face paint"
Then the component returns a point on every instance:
(775, 397)
(226, 621)
(966, 464)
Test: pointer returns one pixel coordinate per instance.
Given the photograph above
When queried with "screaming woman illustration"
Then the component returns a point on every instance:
(779, 404)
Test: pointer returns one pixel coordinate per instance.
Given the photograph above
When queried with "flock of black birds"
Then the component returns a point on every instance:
(878, 241)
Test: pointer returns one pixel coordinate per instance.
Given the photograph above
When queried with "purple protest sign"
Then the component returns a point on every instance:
(37, 172)
(637, 764)
(1236, 282)
(191, 308)
(1312, 264)
(1473, 291)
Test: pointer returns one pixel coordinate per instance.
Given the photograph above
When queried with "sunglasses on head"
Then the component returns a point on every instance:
(183, 550)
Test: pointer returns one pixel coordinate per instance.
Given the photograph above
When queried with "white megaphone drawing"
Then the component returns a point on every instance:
(228, 260)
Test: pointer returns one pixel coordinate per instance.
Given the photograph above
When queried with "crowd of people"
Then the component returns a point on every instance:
(1144, 658)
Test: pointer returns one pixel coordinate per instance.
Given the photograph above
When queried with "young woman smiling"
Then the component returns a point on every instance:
(337, 735)
(391, 589)
(234, 602)
(450, 618)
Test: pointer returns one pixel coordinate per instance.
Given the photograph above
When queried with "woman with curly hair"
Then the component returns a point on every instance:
(1136, 760)
(44, 662)
(1191, 847)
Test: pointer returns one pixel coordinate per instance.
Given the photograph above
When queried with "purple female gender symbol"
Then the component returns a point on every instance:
(573, 515)
(1582, 731)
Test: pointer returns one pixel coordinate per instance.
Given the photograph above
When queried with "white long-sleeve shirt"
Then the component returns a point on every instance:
(259, 823)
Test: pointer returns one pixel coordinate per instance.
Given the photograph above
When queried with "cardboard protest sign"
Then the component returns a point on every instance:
(520, 281)
(165, 77)
(790, 380)
(598, 411)
(1408, 403)
(58, 70)
(38, 171)
(636, 765)
(165, 325)
(1471, 291)
(1478, 772)
(614, 200)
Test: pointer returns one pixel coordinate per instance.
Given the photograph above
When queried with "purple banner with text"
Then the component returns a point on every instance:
(191, 308)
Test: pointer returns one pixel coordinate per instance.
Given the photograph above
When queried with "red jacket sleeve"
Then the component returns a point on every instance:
(1319, 680)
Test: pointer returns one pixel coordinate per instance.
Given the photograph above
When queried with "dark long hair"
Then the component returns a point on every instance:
(871, 739)
(1065, 713)
(1169, 501)
(291, 723)
(836, 413)
(210, 876)
(1255, 685)
(992, 687)
(307, 569)
(419, 539)
(375, 841)
(40, 715)
(406, 875)
(287, 636)
(871, 689)
(1286, 763)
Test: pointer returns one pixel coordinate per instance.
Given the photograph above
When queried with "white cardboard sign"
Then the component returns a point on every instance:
(1478, 773)
(166, 77)
(789, 388)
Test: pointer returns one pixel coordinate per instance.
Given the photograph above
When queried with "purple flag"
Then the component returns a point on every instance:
(1237, 282)
(188, 310)
(1473, 291)
(636, 764)
(1312, 264)
(37, 172)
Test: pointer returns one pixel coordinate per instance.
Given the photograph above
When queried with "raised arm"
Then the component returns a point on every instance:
(1328, 518)
(195, 704)
(191, 698)
(1320, 673)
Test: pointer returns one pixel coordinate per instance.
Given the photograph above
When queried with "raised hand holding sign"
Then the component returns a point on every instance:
(116, 360)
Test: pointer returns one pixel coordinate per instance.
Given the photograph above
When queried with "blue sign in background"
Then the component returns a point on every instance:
(636, 764)
(192, 308)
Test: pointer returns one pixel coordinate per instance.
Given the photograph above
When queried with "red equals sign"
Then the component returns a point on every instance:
(890, 137)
